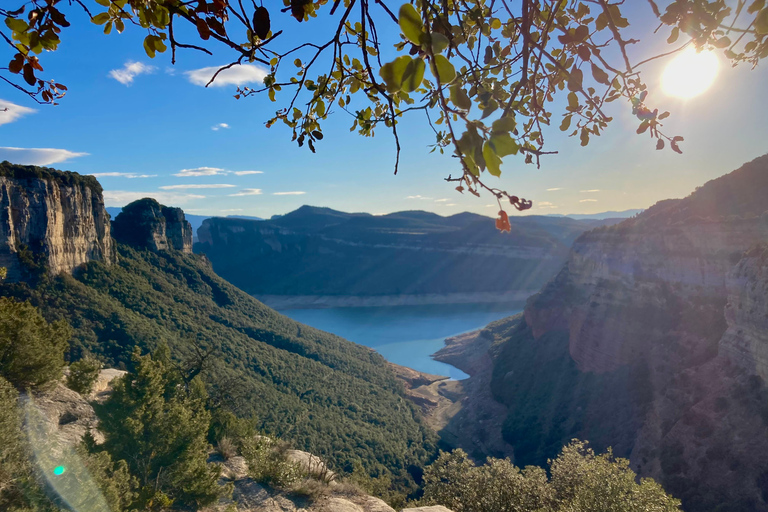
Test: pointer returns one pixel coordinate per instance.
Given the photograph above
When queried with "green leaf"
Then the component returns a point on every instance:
(16, 24)
(320, 108)
(503, 144)
(413, 75)
(503, 125)
(761, 22)
(492, 160)
(490, 108)
(674, 35)
(410, 23)
(149, 46)
(443, 70)
(460, 98)
(565, 124)
(104, 3)
(392, 73)
(600, 75)
(575, 79)
(439, 43)
(101, 18)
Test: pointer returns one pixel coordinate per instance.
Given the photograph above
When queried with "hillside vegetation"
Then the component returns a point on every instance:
(326, 395)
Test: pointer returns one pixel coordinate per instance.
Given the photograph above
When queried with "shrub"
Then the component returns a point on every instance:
(83, 374)
(31, 349)
(226, 448)
(581, 481)
(267, 462)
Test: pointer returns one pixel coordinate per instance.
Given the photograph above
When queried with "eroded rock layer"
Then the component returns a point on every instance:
(50, 218)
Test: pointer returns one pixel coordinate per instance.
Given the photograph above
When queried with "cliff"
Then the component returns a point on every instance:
(50, 218)
(652, 339)
(317, 253)
(148, 224)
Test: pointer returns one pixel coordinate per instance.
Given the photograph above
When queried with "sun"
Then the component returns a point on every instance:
(689, 74)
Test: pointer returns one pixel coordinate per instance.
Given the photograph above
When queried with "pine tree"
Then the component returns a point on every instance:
(31, 349)
(158, 424)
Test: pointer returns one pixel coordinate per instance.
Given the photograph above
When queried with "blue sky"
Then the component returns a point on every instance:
(149, 129)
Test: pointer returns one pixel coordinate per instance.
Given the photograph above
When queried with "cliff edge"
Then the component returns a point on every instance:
(51, 219)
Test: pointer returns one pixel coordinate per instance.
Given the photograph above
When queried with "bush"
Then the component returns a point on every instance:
(267, 462)
(31, 349)
(581, 481)
(83, 374)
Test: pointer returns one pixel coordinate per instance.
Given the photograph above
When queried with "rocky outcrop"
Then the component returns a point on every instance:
(147, 224)
(746, 340)
(50, 219)
(65, 415)
(652, 339)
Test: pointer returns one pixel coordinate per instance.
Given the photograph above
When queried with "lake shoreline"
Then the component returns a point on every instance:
(283, 302)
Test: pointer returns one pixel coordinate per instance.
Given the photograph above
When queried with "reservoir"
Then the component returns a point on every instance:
(406, 335)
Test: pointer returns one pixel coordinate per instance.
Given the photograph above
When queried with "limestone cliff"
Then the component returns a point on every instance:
(148, 224)
(653, 339)
(50, 218)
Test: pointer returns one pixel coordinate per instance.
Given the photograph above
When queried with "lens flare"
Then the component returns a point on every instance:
(689, 74)
(59, 470)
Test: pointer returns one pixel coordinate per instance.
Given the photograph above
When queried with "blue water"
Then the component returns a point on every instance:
(406, 335)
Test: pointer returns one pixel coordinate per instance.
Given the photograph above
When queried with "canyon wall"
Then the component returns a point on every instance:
(653, 339)
(50, 218)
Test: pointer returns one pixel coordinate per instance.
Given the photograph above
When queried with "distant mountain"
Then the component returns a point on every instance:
(321, 251)
(625, 214)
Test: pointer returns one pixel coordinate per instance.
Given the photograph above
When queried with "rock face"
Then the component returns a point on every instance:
(653, 339)
(402, 258)
(51, 218)
(148, 224)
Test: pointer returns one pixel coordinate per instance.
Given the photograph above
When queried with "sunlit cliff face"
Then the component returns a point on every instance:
(690, 74)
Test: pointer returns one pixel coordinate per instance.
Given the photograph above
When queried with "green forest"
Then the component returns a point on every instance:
(322, 393)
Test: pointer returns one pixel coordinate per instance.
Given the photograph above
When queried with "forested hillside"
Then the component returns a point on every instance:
(325, 394)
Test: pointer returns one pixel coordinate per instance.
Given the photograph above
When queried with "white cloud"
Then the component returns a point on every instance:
(589, 191)
(232, 210)
(236, 75)
(123, 197)
(451, 204)
(419, 197)
(220, 126)
(588, 201)
(245, 173)
(36, 156)
(197, 185)
(130, 70)
(441, 200)
(546, 205)
(291, 193)
(247, 192)
(9, 112)
(200, 171)
(122, 175)
(554, 189)
(491, 205)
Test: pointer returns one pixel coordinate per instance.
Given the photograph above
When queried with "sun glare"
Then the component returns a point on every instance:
(689, 74)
